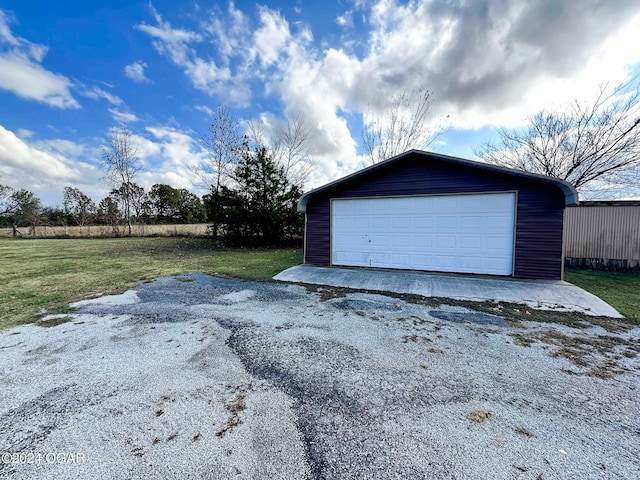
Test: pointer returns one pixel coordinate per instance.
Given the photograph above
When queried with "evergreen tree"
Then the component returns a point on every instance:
(261, 208)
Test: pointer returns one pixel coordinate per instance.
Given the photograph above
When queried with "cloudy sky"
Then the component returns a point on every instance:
(71, 71)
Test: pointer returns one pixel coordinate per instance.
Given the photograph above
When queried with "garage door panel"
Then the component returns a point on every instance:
(495, 222)
(381, 205)
(496, 243)
(379, 241)
(400, 241)
(445, 242)
(447, 221)
(346, 257)
(422, 205)
(380, 223)
(443, 203)
(422, 262)
(402, 223)
(470, 264)
(342, 223)
(421, 242)
(341, 208)
(496, 203)
(423, 222)
(403, 260)
(359, 222)
(470, 242)
(445, 261)
(494, 264)
(379, 259)
(453, 233)
(471, 222)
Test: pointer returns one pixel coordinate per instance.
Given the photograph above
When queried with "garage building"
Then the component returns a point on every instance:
(432, 212)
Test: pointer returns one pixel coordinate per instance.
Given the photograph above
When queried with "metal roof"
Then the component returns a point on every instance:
(570, 193)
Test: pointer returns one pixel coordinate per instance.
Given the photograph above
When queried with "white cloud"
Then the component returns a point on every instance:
(168, 40)
(98, 93)
(123, 117)
(205, 109)
(66, 148)
(30, 80)
(177, 147)
(228, 36)
(24, 133)
(169, 156)
(212, 77)
(46, 167)
(135, 71)
(271, 38)
(5, 32)
(491, 63)
(345, 20)
(487, 63)
(22, 73)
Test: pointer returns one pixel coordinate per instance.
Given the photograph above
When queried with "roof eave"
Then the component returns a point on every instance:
(570, 193)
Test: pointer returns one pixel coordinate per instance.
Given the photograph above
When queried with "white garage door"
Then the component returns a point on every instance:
(445, 233)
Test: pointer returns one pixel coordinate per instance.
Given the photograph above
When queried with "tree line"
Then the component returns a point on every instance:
(254, 180)
(162, 204)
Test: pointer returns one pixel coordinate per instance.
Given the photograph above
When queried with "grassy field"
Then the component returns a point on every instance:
(46, 275)
(621, 290)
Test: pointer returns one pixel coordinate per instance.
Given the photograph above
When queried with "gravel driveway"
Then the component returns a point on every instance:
(213, 378)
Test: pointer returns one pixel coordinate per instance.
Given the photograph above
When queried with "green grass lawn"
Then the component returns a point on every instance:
(621, 290)
(47, 274)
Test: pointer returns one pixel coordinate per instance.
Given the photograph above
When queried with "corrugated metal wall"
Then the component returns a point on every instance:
(602, 232)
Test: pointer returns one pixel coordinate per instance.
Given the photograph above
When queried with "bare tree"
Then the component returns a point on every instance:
(5, 198)
(404, 126)
(223, 144)
(292, 150)
(78, 205)
(119, 159)
(288, 144)
(586, 143)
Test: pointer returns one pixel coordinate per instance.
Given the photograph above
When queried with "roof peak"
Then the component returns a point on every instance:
(570, 193)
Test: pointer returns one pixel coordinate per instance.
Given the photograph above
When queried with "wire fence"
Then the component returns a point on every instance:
(193, 229)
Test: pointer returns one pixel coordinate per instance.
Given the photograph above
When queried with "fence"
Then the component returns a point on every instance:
(603, 236)
(194, 229)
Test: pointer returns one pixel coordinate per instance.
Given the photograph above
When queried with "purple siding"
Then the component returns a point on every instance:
(540, 207)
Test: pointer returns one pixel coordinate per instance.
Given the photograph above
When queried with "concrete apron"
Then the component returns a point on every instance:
(541, 294)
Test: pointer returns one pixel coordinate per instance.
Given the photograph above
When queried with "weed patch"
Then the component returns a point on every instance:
(415, 339)
(236, 406)
(54, 321)
(583, 350)
(607, 370)
(523, 431)
(479, 416)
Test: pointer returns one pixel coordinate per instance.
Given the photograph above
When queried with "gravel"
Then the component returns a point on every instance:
(206, 377)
